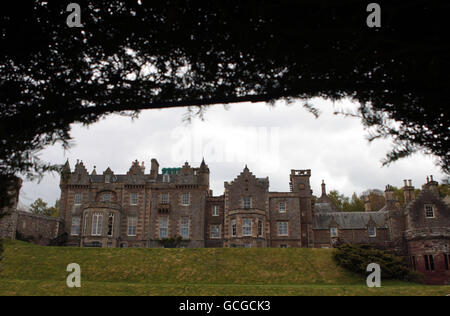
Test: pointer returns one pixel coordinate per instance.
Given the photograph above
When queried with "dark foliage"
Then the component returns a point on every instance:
(356, 258)
(171, 242)
(60, 240)
(21, 237)
(130, 56)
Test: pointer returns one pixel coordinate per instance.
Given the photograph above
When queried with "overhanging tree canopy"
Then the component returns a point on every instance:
(130, 56)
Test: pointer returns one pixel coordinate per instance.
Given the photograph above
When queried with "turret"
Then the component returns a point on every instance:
(65, 172)
(203, 173)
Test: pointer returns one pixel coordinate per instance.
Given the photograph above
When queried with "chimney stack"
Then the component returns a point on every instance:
(408, 191)
(433, 186)
(389, 193)
(154, 168)
(324, 189)
(367, 204)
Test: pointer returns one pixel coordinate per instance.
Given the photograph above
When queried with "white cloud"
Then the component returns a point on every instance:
(333, 147)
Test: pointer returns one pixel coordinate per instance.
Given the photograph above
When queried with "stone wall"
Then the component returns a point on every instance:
(8, 224)
(39, 229)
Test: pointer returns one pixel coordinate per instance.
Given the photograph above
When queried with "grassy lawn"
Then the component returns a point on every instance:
(32, 270)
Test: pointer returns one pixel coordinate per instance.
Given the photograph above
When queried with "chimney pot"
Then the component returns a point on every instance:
(410, 183)
(431, 177)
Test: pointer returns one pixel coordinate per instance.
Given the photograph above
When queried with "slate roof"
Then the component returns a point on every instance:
(323, 208)
(350, 220)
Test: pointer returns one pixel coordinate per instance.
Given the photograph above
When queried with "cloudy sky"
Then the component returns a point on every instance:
(270, 140)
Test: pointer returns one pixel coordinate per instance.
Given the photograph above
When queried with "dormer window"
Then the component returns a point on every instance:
(166, 177)
(372, 231)
(429, 211)
(134, 178)
(333, 232)
(107, 178)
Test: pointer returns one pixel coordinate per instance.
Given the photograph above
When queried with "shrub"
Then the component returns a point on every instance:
(21, 237)
(356, 258)
(171, 242)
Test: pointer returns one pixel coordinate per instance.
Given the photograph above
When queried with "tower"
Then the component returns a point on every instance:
(203, 173)
(300, 184)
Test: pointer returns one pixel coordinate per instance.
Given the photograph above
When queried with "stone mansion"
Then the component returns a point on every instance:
(146, 208)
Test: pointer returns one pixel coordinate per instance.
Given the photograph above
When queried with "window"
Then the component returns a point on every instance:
(215, 210)
(132, 224)
(184, 227)
(333, 232)
(97, 220)
(246, 227)
(413, 263)
(75, 226)
(247, 201)
(134, 199)
(107, 178)
(446, 260)
(107, 197)
(185, 198)
(260, 227)
(110, 224)
(166, 177)
(283, 246)
(163, 227)
(372, 231)
(247, 245)
(429, 262)
(283, 228)
(78, 198)
(215, 231)
(282, 207)
(429, 211)
(233, 228)
(164, 198)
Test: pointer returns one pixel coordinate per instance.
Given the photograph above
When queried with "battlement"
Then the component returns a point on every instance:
(301, 173)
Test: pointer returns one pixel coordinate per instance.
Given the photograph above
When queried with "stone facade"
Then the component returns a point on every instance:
(175, 207)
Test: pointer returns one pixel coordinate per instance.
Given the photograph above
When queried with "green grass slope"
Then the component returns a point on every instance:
(32, 270)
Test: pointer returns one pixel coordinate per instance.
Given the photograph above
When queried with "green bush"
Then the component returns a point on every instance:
(356, 258)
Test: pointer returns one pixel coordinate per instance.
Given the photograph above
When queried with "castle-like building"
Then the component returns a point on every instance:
(175, 207)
